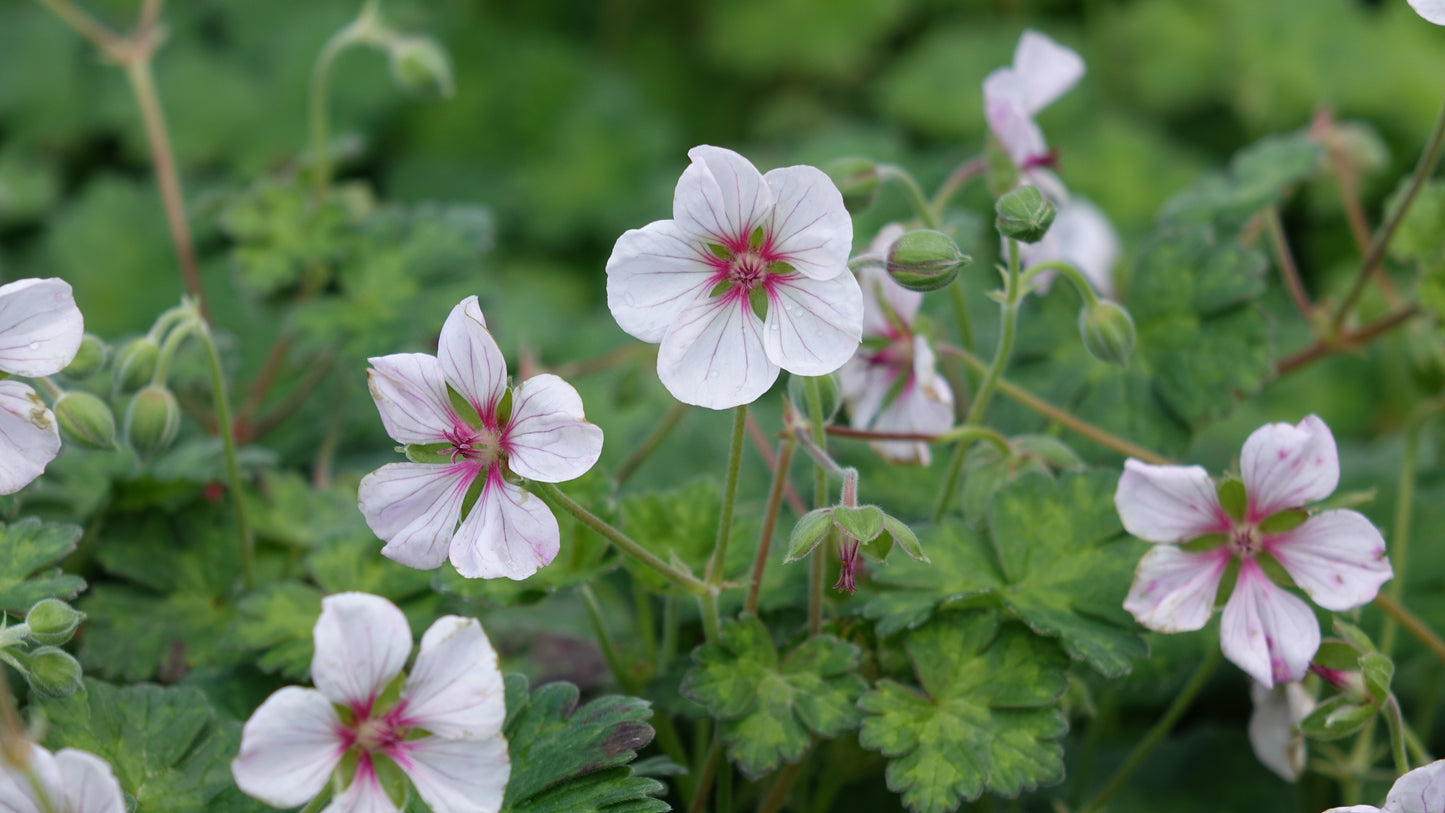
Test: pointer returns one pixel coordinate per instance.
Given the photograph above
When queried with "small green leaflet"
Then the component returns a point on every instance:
(1258, 176)
(766, 708)
(27, 550)
(985, 718)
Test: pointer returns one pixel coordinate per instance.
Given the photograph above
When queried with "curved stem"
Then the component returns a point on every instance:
(817, 564)
(99, 35)
(1080, 282)
(770, 521)
(1288, 270)
(650, 444)
(227, 432)
(1346, 341)
(361, 29)
(1411, 623)
(965, 172)
(892, 172)
(1395, 723)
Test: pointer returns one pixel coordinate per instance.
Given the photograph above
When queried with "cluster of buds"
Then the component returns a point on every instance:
(33, 648)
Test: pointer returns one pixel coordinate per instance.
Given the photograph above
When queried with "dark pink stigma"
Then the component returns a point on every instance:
(848, 574)
(1049, 160)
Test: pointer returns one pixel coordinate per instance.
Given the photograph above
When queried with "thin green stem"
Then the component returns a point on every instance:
(227, 431)
(1156, 735)
(1412, 624)
(914, 192)
(646, 624)
(650, 444)
(99, 35)
(1395, 722)
(51, 388)
(817, 564)
(361, 29)
(1073, 275)
(1288, 270)
(960, 315)
(770, 521)
(777, 792)
(718, 562)
(169, 348)
(1400, 532)
(970, 434)
(705, 778)
(955, 182)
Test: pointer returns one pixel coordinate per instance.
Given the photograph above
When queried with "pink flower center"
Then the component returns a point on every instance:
(1049, 159)
(741, 265)
(481, 446)
(1246, 540)
(377, 734)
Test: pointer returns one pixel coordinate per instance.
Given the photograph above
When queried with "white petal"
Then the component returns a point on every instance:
(414, 507)
(455, 688)
(1168, 503)
(880, 291)
(1287, 466)
(813, 326)
(1005, 109)
(1274, 727)
(1045, 69)
(721, 195)
(1267, 631)
(89, 783)
(40, 327)
(548, 437)
(1173, 590)
(811, 229)
(289, 748)
(864, 384)
(16, 793)
(654, 273)
(713, 356)
(1354, 809)
(458, 776)
(410, 392)
(1082, 237)
(363, 795)
(28, 437)
(509, 533)
(1432, 10)
(924, 406)
(470, 359)
(1338, 557)
(1419, 791)
(362, 642)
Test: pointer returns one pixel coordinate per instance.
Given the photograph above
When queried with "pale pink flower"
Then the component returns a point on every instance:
(1419, 791)
(750, 275)
(443, 728)
(891, 383)
(74, 781)
(490, 433)
(1432, 10)
(40, 332)
(1081, 236)
(1274, 730)
(1336, 556)
(1042, 71)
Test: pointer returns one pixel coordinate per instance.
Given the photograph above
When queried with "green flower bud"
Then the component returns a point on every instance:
(828, 387)
(1024, 214)
(857, 178)
(925, 260)
(1108, 332)
(89, 358)
(135, 364)
(152, 420)
(86, 420)
(421, 67)
(51, 672)
(52, 621)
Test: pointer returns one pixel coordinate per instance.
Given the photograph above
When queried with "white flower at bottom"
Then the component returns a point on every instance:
(443, 729)
(74, 782)
(1419, 791)
(1274, 730)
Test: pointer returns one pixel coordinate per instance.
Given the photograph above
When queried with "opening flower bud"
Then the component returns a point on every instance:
(135, 364)
(828, 387)
(857, 178)
(50, 671)
(1108, 332)
(88, 359)
(925, 260)
(421, 67)
(85, 419)
(52, 621)
(152, 420)
(1024, 214)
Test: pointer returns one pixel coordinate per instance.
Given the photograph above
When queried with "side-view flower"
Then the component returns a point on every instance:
(71, 781)
(440, 725)
(40, 332)
(1042, 71)
(467, 433)
(750, 275)
(1336, 556)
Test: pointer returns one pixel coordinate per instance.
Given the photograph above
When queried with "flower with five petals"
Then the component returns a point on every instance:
(40, 332)
(73, 781)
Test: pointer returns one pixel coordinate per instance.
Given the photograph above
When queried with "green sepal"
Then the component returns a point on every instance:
(428, 452)
(755, 240)
(1337, 656)
(1233, 498)
(758, 299)
(779, 268)
(812, 528)
(1354, 636)
(1282, 521)
(392, 779)
(504, 407)
(1199, 544)
(862, 522)
(462, 407)
(720, 289)
(720, 251)
(898, 531)
(474, 492)
(50, 671)
(1378, 670)
(1336, 718)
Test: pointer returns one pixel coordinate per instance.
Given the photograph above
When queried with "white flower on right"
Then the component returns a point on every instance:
(74, 781)
(1336, 556)
(1419, 791)
(40, 332)
(1042, 71)
(1082, 237)
(1432, 10)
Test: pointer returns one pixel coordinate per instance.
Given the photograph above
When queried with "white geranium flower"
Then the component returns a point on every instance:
(40, 332)
(73, 781)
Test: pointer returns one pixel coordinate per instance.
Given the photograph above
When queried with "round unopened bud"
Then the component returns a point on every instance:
(925, 260)
(1108, 332)
(135, 364)
(51, 672)
(420, 66)
(88, 359)
(829, 388)
(857, 178)
(152, 420)
(1024, 214)
(86, 420)
(52, 621)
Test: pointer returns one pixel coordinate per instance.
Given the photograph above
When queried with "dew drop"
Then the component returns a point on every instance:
(35, 345)
(712, 374)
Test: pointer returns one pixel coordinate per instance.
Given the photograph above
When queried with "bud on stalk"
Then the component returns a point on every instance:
(925, 260)
(1024, 214)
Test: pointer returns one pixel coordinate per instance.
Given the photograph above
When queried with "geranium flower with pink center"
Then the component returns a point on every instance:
(40, 332)
(72, 780)
(1336, 556)
(455, 412)
(750, 275)
(1419, 791)
(441, 724)
(1042, 71)
(891, 383)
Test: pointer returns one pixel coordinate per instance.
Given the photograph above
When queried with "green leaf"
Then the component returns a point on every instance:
(986, 469)
(682, 525)
(568, 758)
(167, 747)
(984, 719)
(27, 550)
(1258, 176)
(279, 619)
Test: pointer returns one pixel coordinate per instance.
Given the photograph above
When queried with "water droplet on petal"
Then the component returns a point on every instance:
(35, 345)
(712, 374)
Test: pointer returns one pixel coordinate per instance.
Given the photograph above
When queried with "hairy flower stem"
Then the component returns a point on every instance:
(1345, 342)
(1156, 735)
(362, 29)
(817, 564)
(770, 521)
(956, 181)
(1073, 275)
(911, 189)
(1412, 624)
(650, 444)
(244, 538)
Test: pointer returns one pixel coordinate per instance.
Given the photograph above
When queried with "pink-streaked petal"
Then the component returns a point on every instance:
(29, 439)
(811, 229)
(654, 273)
(363, 795)
(410, 391)
(510, 533)
(1005, 109)
(1432, 10)
(1337, 557)
(881, 294)
(1419, 791)
(1287, 466)
(1354, 809)
(721, 196)
(362, 642)
(713, 356)
(40, 327)
(548, 438)
(864, 384)
(1168, 503)
(455, 688)
(813, 325)
(1082, 237)
(88, 783)
(917, 410)
(1173, 590)
(458, 776)
(470, 359)
(1045, 70)
(414, 507)
(1267, 631)
(289, 748)
(1274, 727)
